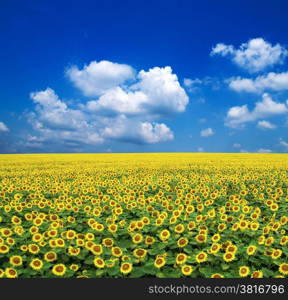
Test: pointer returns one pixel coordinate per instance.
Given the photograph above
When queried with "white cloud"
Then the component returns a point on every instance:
(188, 82)
(98, 77)
(157, 92)
(137, 132)
(236, 145)
(54, 113)
(255, 55)
(119, 101)
(207, 132)
(261, 150)
(54, 120)
(271, 81)
(121, 110)
(265, 125)
(200, 149)
(222, 49)
(238, 115)
(192, 84)
(3, 127)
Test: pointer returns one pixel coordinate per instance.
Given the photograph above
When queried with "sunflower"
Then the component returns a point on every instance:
(112, 228)
(228, 256)
(36, 264)
(126, 267)
(261, 240)
(257, 274)
(16, 260)
(235, 227)
(10, 273)
(96, 249)
(15, 220)
(37, 237)
(60, 243)
(164, 235)
(80, 242)
(116, 251)
(10, 241)
(243, 225)
(179, 228)
(283, 269)
(50, 256)
(182, 242)
(140, 253)
(284, 240)
(89, 245)
(4, 249)
(2, 273)
(215, 247)
(231, 248)
(33, 248)
(201, 257)
(99, 262)
(191, 225)
(201, 238)
(73, 251)
(276, 253)
(274, 207)
(251, 250)
(70, 235)
(269, 241)
(108, 242)
(6, 232)
(59, 269)
(216, 237)
(23, 248)
(186, 270)
(244, 271)
(98, 227)
(37, 222)
(217, 275)
(221, 227)
(254, 226)
(149, 240)
(159, 262)
(89, 236)
(181, 258)
(74, 267)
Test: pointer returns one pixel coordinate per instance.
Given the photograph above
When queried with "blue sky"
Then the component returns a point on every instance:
(143, 76)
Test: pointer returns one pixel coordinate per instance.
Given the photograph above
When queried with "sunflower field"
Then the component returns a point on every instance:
(144, 215)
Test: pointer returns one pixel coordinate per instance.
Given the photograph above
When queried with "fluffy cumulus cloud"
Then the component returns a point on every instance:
(123, 129)
(54, 120)
(237, 116)
(207, 132)
(98, 77)
(3, 127)
(271, 81)
(157, 92)
(124, 112)
(253, 56)
(265, 125)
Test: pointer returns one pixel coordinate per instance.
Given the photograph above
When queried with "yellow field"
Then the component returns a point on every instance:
(140, 215)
